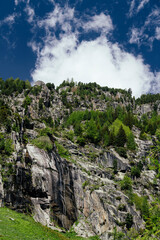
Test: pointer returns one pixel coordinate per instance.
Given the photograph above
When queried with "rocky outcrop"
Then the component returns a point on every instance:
(42, 184)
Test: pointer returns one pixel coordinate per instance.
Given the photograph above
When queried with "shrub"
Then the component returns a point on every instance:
(121, 151)
(126, 183)
(122, 207)
(61, 150)
(129, 221)
(84, 184)
(81, 141)
(135, 172)
(43, 142)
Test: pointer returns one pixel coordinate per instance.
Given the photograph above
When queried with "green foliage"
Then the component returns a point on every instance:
(50, 86)
(100, 127)
(135, 172)
(92, 132)
(129, 221)
(27, 123)
(48, 121)
(70, 135)
(45, 131)
(4, 114)
(115, 166)
(158, 134)
(148, 98)
(61, 150)
(121, 137)
(126, 183)
(141, 204)
(121, 151)
(118, 235)
(27, 101)
(11, 86)
(81, 141)
(117, 124)
(131, 145)
(43, 142)
(40, 104)
(84, 184)
(35, 90)
(6, 145)
(122, 207)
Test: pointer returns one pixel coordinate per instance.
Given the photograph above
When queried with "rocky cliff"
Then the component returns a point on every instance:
(72, 185)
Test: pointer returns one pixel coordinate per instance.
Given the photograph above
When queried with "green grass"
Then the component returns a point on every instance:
(18, 226)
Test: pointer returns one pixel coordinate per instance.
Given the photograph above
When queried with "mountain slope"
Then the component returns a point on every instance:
(81, 156)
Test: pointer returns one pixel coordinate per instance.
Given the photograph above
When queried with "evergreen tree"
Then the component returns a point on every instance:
(121, 137)
(131, 145)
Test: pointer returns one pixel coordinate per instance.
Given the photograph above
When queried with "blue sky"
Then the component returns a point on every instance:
(114, 43)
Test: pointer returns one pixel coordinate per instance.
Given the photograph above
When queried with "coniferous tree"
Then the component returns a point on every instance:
(121, 137)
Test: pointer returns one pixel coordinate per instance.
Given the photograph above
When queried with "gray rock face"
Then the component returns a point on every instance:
(109, 157)
(42, 184)
(59, 192)
(144, 108)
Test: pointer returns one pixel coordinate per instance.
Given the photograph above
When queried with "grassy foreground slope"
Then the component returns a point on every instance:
(17, 226)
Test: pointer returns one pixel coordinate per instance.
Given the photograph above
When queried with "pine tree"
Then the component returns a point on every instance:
(121, 137)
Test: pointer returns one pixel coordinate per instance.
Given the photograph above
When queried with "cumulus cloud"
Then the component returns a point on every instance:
(97, 60)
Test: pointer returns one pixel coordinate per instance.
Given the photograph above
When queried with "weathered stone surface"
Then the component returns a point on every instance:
(108, 158)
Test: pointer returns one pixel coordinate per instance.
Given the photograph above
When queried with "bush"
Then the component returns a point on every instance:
(6, 146)
(129, 221)
(121, 151)
(61, 150)
(135, 172)
(43, 142)
(81, 141)
(126, 183)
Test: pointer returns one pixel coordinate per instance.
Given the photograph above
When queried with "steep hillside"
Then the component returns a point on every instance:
(81, 157)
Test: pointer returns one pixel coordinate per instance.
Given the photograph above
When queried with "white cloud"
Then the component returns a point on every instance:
(10, 20)
(157, 35)
(154, 18)
(16, 2)
(96, 60)
(136, 6)
(147, 33)
(131, 9)
(99, 23)
(136, 36)
(30, 12)
(142, 4)
(62, 16)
